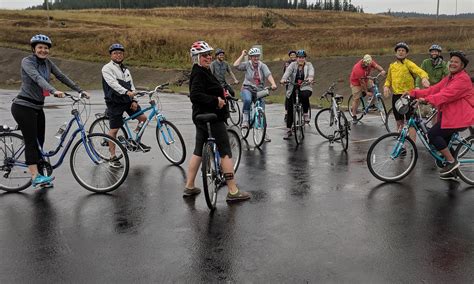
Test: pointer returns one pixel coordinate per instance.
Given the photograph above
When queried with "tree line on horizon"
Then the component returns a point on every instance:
(335, 5)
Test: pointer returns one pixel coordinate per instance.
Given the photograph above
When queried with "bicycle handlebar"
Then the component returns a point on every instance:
(74, 97)
(376, 77)
(149, 93)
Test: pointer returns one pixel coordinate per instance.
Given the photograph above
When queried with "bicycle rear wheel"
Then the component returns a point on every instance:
(391, 123)
(343, 131)
(298, 124)
(465, 155)
(383, 113)
(259, 128)
(13, 176)
(234, 112)
(101, 125)
(324, 122)
(245, 130)
(360, 110)
(209, 175)
(171, 142)
(386, 159)
(236, 147)
(92, 167)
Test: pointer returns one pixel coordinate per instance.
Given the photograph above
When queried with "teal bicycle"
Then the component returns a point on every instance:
(257, 119)
(169, 138)
(393, 156)
(89, 159)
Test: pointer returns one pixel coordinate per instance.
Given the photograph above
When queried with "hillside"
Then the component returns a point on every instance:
(162, 37)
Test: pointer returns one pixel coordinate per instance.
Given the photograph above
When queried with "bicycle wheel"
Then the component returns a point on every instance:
(465, 155)
(101, 125)
(360, 110)
(90, 163)
(298, 124)
(343, 131)
(391, 123)
(324, 122)
(234, 112)
(259, 128)
(13, 177)
(209, 175)
(246, 130)
(383, 113)
(236, 147)
(386, 159)
(171, 142)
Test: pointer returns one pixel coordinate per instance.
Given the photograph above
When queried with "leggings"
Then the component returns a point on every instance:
(304, 98)
(440, 137)
(32, 123)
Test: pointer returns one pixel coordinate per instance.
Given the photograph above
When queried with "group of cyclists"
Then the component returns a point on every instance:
(445, 85)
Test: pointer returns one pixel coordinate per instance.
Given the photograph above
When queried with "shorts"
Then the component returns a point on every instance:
(115, 113)
(358, 90)
(219, 132)
(396, 114)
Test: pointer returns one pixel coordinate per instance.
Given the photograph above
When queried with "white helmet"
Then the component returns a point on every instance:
(367, 60)
(254, 51)
(200, 47)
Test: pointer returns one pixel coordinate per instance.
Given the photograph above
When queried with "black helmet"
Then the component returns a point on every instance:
(403, 45)
(219, 51)
(461, 56)
(116, 46)
(301, 53)
(39, 38)
(291, 51)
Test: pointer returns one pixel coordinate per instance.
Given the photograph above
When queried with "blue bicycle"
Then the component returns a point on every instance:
(393, 156)
(169, 138)
(89, 158)
(257, 119)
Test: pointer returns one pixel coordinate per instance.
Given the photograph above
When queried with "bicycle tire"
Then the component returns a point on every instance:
(383, 113)
(101, 125)
(209, 175)
(235, 115)
(174, 151)
(382, 149)
(94, 176)
(391, 124)
(360, 109)
(236, 148)
(245, 130)
(298, 124)
(324, 122)
(343, 131)
(466, 152)
(259, 128)
(10, 143)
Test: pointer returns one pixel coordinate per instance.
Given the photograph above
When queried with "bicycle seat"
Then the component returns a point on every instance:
(206, 117)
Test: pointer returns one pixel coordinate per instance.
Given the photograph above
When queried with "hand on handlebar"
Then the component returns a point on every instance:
(220, 103)
(131, 94)
(85, 94)
(58, 94)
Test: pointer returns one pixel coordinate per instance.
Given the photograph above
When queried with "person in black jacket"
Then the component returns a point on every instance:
(207, 96)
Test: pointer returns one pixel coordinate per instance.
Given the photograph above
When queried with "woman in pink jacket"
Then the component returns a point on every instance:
(454, 98)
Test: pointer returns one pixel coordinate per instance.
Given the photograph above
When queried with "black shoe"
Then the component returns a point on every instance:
(144, 147)
(191, 191)
(448, 176)
(449, 167)
(286, 117)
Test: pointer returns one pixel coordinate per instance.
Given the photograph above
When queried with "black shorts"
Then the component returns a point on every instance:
(219, 132)
(396, 114)
(115, 113)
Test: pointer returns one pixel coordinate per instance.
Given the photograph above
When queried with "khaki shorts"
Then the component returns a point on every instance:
(357, 90)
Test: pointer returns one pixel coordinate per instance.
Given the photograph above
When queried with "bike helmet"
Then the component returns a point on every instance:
(39, 38)
(291, 51)
(435, 47)
(403, 45)
(402, 105)
(219, 51)
(199, 47)
(116, 46)
(254, 51)
(367, 59)
(461, 56)
(301, 53)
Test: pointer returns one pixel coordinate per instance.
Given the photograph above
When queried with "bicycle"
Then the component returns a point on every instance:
(257, 119)
(298, 120)
(169, 138)
(331, 123)
(212, 174)
(366, 106)
(390, 158)
(235, 115)
(89, 159)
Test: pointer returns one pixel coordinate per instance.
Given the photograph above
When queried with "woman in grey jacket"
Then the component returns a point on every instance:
(298, 73)
(27, 107)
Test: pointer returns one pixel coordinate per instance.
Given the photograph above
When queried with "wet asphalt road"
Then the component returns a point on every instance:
(317, 215)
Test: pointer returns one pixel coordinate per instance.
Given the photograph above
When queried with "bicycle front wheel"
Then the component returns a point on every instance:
(234, 112)
(325, 123)
(236, 147)
(298, 124)
(465, 155)
(14, 175)
(391, 160)
(171, 142)
(95, 168)
(101, 125)
(343, 131)
(259, 128)
(209, 176)
(360, 109)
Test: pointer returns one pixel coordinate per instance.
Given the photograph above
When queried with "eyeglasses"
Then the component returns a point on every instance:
(207, 54)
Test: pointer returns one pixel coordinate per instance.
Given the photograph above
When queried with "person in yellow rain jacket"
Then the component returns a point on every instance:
(400, 79)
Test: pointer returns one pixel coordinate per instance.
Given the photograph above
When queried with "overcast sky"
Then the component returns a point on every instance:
(370, 6)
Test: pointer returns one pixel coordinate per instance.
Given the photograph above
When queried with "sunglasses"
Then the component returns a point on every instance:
(207, 54)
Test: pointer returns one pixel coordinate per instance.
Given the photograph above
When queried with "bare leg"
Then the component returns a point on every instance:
(193, 168)
(228, 167)
(113, 133)
(355, 105)
(33, 170)
(447, 154)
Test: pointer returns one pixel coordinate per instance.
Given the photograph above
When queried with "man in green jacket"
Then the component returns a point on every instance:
(435, 66)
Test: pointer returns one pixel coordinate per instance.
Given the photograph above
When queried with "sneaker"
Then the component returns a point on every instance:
(287, 135)
(115, 163)
(41, 181)
(245, 124)
(144, 147)
(449, 167)
(306, 118)
(267, 138)
(448, 176)
(191, 191)
(373, 107)
(238, 196)
(354, 119)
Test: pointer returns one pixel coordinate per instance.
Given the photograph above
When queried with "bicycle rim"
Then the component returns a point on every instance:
(465, 155)
(324, 122)
(209, 176)
(91, 164)
(259, 128)
(236, 148)
(13, 178)
(171, 142)
(101, 125)
(360, 109)
(386, 161)
(298, 124)
(234, 112)
(391, 124)
(343, 131)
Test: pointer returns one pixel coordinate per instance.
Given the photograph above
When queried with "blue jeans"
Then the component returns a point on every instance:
(246, 96)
